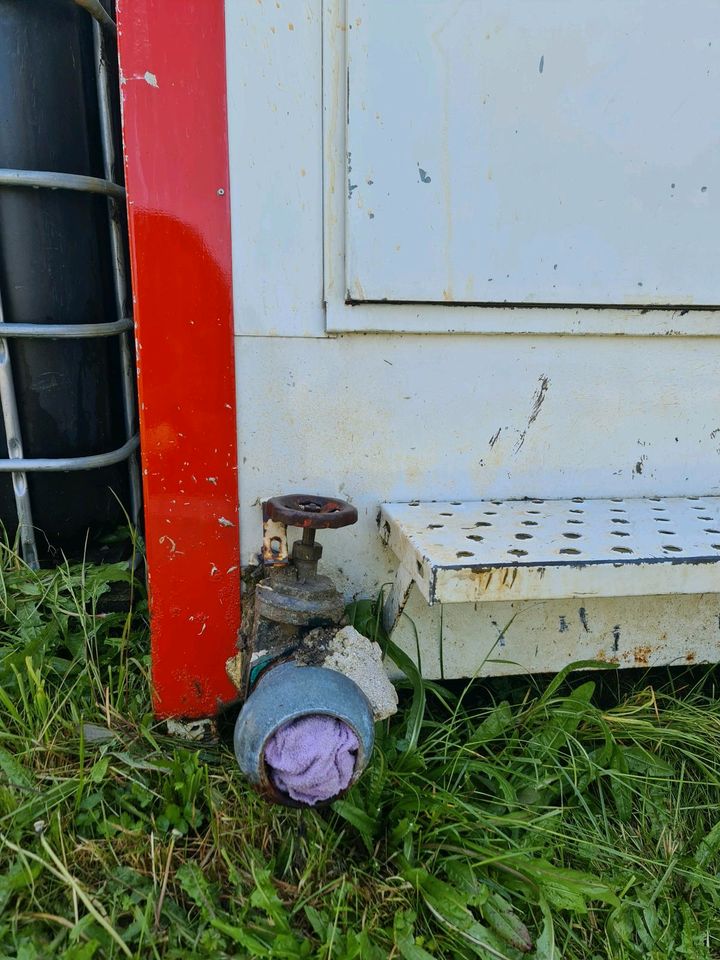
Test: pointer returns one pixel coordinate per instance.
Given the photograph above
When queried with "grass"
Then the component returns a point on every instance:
(574, 818)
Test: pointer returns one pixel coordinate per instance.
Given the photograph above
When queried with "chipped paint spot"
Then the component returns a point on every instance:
(150, 79)
(224, 522)
(169, 540)
(583, 618)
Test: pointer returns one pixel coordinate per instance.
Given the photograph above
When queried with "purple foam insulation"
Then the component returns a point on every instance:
(312, 759)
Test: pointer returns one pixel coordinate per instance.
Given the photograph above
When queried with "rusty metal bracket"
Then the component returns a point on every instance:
(275, 543)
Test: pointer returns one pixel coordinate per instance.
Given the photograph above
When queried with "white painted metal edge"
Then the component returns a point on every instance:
(634, 579)
(576, 321)
(554, 579)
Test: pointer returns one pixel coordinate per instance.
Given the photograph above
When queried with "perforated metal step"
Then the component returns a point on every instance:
(487, 550)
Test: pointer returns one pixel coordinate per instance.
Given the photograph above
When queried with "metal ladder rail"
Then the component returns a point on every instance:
(120, 272)
(16, 463)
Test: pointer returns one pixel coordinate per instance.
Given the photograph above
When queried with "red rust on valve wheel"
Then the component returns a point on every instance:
(308, 511)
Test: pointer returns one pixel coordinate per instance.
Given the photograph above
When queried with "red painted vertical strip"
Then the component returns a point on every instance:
(174, 93)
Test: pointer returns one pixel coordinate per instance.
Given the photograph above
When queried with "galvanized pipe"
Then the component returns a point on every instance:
(13, 436)
(60, 181)
(117, 245)
(69, 464)
(70, 331)
(289, 692)
(96, 10)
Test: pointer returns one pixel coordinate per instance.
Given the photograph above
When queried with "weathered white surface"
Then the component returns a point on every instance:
(376, 418)
(379, 419)
(541, 151)
(274, 67)
(488, 550)
(465, 640)
(389, 418)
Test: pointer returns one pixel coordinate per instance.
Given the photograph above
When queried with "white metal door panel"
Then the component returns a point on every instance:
(541, 151)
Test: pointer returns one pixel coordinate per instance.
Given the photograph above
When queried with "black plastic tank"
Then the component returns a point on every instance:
(56, 268)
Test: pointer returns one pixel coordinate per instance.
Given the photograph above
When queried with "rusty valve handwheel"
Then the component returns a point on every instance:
(310, 512)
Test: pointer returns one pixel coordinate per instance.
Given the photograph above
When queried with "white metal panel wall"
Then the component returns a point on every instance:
(377, 417)
(274, 68)
(546, 151)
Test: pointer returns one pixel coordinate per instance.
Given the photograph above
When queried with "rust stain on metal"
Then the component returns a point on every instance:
(483, 576)
(641, 655)
(404, 598)
(307, 510)
(275, 544)
(602, 656)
